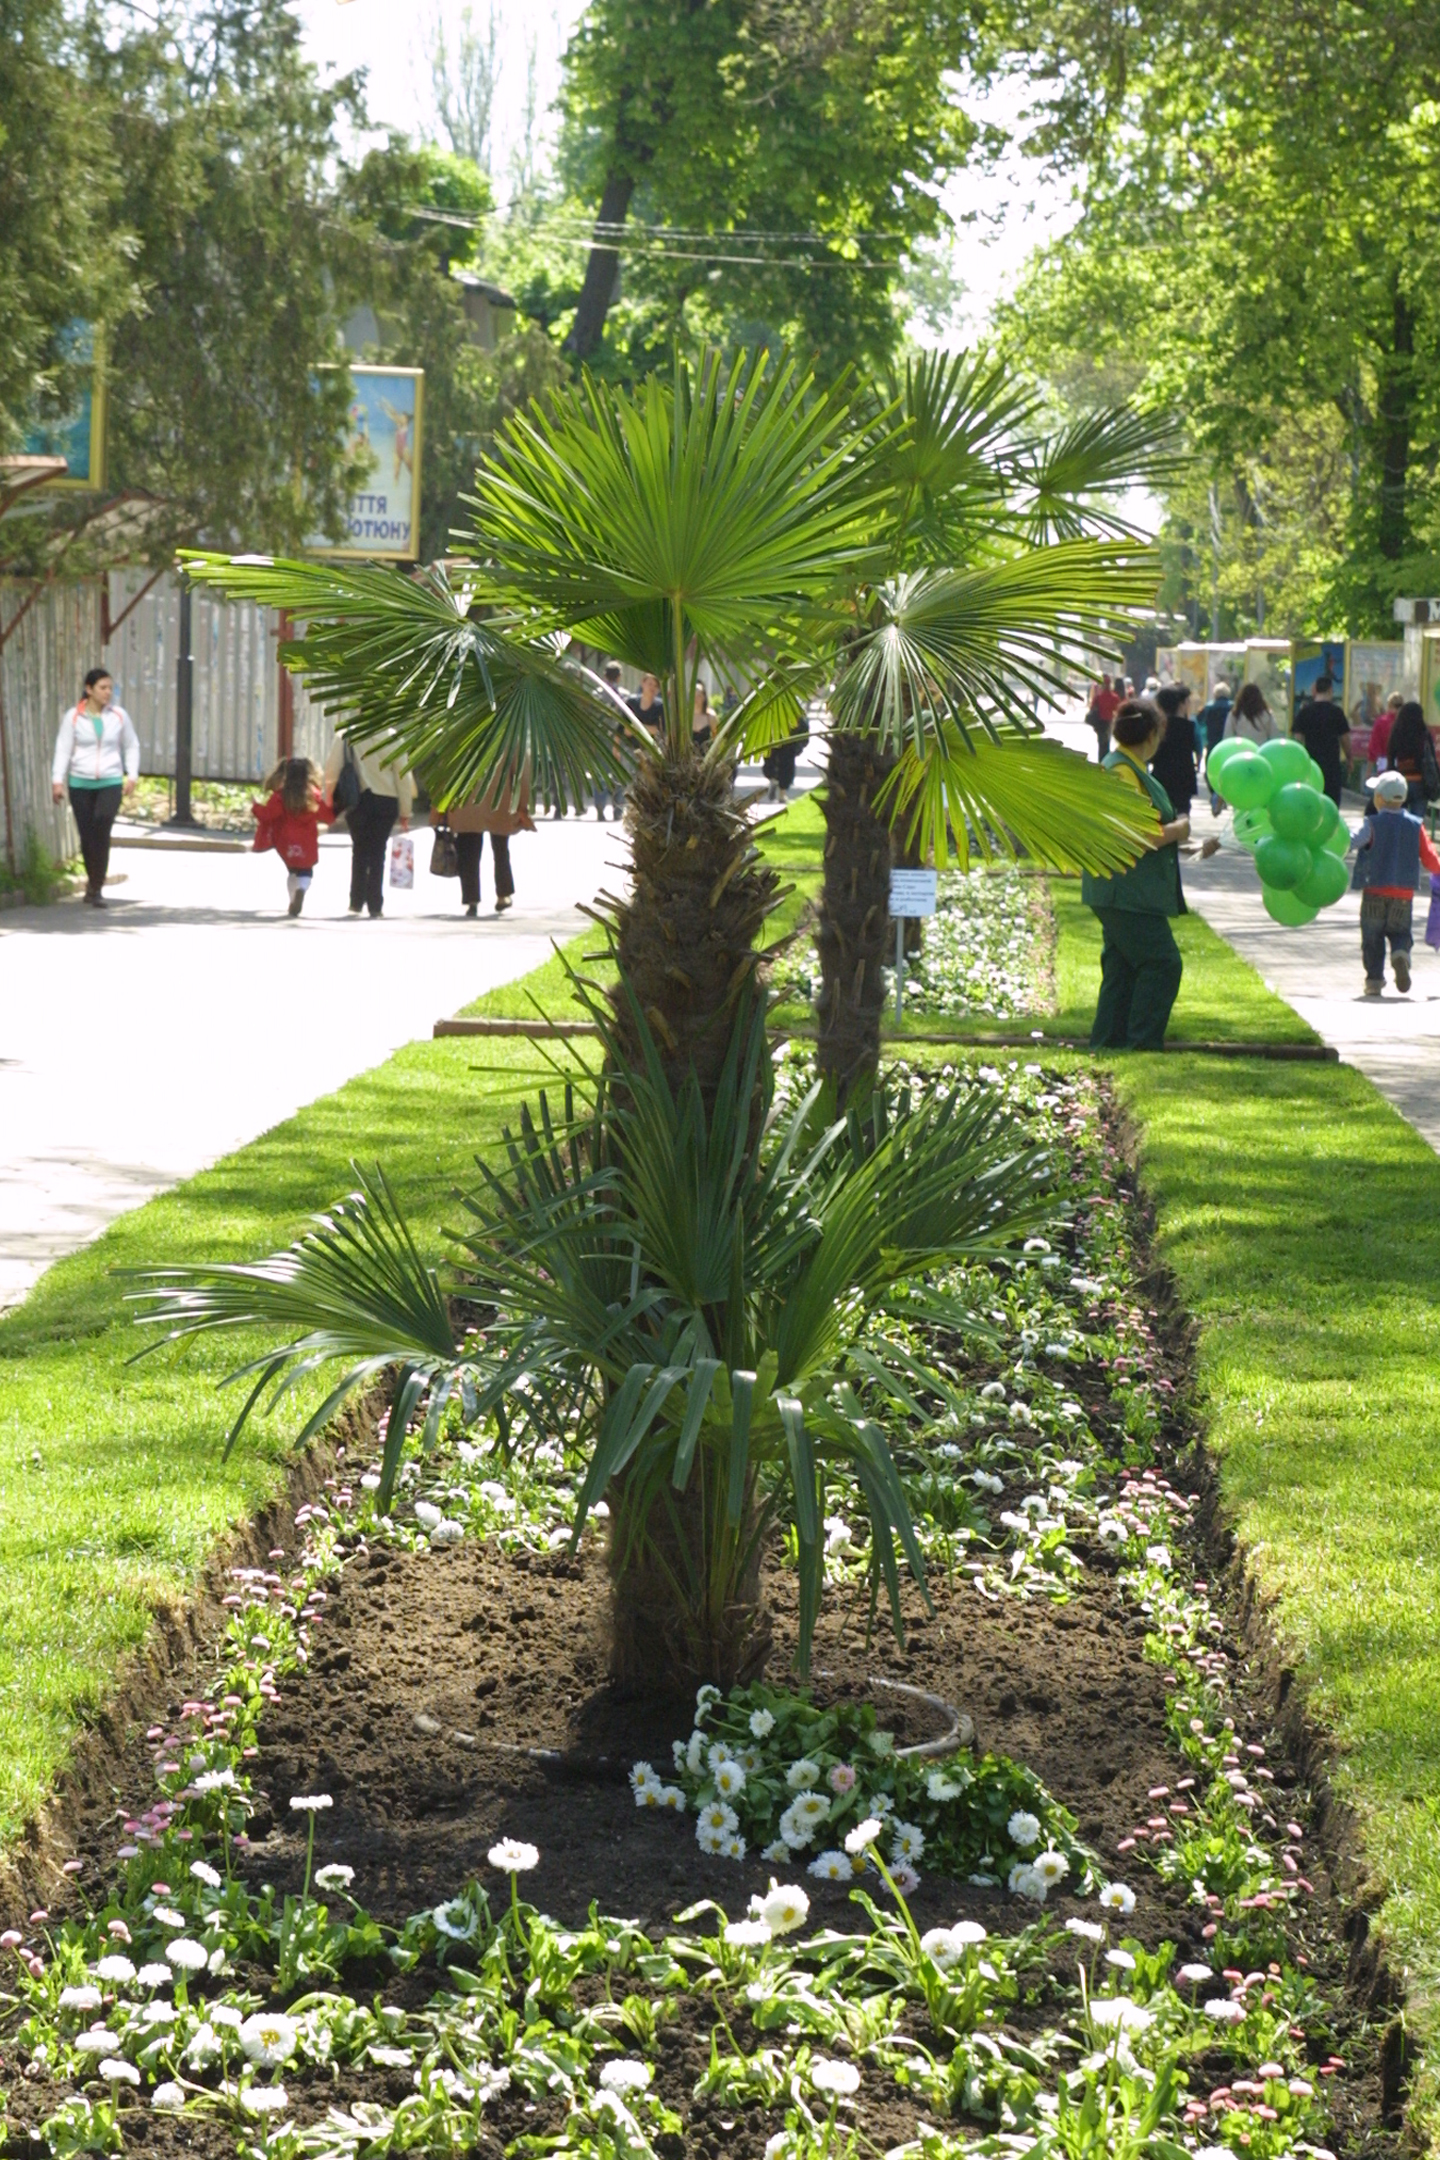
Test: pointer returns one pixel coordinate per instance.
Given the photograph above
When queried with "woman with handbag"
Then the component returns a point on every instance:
(501, 811)
(372, 793)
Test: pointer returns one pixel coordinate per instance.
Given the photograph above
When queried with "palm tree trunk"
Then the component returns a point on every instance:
(855, 931)
(681, 1612)
(686, 937)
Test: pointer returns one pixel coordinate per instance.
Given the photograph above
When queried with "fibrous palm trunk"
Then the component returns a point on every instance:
(685, 1605)
(686, 937)
(855, 932)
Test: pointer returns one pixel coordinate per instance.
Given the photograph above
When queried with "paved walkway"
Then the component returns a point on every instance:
(138, 1045)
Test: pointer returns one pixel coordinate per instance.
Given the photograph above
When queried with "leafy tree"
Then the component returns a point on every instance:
(791, 148)
(1259, 184)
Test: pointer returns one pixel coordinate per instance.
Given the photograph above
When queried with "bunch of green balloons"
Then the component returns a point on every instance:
(1285, 818)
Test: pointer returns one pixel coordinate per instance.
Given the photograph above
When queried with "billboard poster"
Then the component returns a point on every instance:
(1374, 670)
(1312, 660)
(383, 428)
(77, 435)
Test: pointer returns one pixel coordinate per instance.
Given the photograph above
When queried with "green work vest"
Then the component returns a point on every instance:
(1150, 886)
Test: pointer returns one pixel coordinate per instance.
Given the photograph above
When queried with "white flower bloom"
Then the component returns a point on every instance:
(1225, 2012)
(1051, 1866)
(334, 1876)
(695, 1753)
(939, 1943)
(831, 1867)
(729, 1780)
(863, 1835)
(677, 1753)
(449, 1532)
(83, 1998)
(227, 2015)
(776, 1851)
(796, 1831)
(513, 1856)
(1023, 1829)
(264, 2099)
(1023, 1881)
(715, 1815)
(215, 1781)
(187, 1956)
(269, 2038)
(204, 1873)
(1087, 1930)
(940, 1788)
(1192, 1975)
(671, 1797)
(1121, 1960)
(704, 1697)
(168, 2099)
(802, 1775)
(116, 2072)
(643, 1780)
(733, 1846)
(784, 1908)
(762, 1723)
(968, 1932)
(993, 1391)
(1117, 1897)
(746, 1934)
(427, 1514)
(98, 2041)
(204, 2044)
(810, 1807)
(155, 2014)
(907, 1844)
(710, 1841)
(717, 1752)
(390, 2058)
(838, 2079)
(1117, 2013)
(115, 1969)
(626, 2075)
(455, 1919)
(168, 1917)
(310, 1803)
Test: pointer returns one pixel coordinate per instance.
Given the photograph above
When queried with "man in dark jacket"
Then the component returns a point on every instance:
(1174, 762)
(1323, 728)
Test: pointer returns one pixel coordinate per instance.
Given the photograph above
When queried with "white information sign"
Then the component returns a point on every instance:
(912, 894)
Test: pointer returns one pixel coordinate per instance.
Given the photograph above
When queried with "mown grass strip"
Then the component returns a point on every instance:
(113, 1485)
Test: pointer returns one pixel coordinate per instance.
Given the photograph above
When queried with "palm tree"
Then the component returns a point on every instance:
(694, 1292)
(727, 519)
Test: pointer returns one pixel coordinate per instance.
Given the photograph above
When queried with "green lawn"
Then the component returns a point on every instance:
(112, 1482)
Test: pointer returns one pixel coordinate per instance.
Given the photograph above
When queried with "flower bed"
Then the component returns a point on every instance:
(986, 951)
(320, 1932)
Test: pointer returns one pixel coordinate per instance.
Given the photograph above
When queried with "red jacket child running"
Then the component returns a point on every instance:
(289, 821)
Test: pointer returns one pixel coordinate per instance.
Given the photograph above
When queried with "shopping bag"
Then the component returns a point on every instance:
(402, 862)
(444, 855)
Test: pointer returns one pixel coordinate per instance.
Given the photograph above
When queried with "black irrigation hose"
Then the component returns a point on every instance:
(577, 1769)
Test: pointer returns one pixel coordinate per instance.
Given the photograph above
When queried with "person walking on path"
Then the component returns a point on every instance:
(1210, 721)
(1323, 728)
(616, 798)
(1174, 762)
(1391, 848)
(502, 817)
(386, 794)
(1380, 733)
(1410, 752)
(289, 821)
(1140, 964)
(1105, 702)
(97, 758)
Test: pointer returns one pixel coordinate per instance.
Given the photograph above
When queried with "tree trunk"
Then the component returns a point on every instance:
(1396, 402)
(686, 937)
(601, 269)
(680, 1616)
(855, 930)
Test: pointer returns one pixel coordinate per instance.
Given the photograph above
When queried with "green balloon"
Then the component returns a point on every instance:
(1327, 880)
(1329, 819)
(1248, 782)
(1287, 758)
(1295, 811)
(1338, 842)
(1219, 756)
(1317, 778)
(1287, 908)
(1253, 826)
(1282, 863)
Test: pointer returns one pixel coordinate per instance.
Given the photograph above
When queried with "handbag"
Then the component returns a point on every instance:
(444, 855)
(347, 783)
(1429, 769)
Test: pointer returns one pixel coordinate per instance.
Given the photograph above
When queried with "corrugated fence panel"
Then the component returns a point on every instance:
(42, 666)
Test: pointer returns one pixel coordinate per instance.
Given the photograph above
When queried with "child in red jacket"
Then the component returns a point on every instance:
(289, 821)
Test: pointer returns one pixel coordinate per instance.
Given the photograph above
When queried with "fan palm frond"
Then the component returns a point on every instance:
(415, 662)
(1114, 448)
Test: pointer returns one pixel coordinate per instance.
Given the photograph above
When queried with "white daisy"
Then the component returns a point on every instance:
(784, 1908)
(83, 1998)
(168, 2099)
(187, 1956)
(1023, 1829)
(1116, 2013)
(264, 2099)
(1051, 1866)
(1087, 1930)
(115, 1969)
(729, 1780)
(512, 1856)
(310, 1803)
(746, 1934)
(907, 1844)
(802, 1775)
(269, 2038)
(839, 2080)
(626, 2075)
(831, 1867)
(863, 1835)
(762, 1723)
(1117, 1897)
(718, 1815)
(334, 1876)
(204, 1873)
(455, 1919)
(671, 1797)
(116, 2072)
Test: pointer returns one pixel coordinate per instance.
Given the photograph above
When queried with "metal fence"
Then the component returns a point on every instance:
(47, 642)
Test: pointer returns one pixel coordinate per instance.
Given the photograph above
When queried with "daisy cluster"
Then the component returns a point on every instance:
(981, 954)
(767, 1771)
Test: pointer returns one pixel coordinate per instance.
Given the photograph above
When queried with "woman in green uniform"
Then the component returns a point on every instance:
(1140, 964)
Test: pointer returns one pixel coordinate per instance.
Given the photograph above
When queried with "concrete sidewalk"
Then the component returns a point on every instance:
(139, 1044)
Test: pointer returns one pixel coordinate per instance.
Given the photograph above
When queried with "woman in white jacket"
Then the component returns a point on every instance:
(97, 756)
